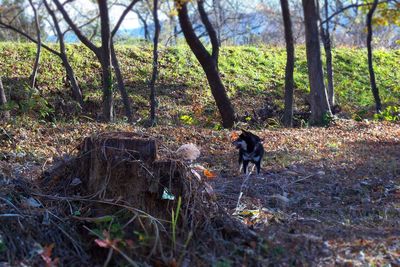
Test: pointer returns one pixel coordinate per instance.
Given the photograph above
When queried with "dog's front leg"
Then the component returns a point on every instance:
(258, 165)
(240, 160)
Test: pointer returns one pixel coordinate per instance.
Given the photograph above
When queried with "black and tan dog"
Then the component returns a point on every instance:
(250, 150)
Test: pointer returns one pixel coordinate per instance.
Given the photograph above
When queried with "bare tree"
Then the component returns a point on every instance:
(14, 13)
(4, 113)
(77, 94)
(374, 88)
(326, 40)
(143, 12)
(38, 46)
(210, 30)
(157, 28)
(173, 25)
(103, 54)
(115, 62)
(318, 96)
(289, 82)
(208, 61)
(63, 55)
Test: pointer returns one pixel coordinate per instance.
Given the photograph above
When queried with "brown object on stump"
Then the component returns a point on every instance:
(123, 165)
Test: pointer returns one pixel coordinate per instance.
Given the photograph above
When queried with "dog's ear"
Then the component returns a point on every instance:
(244, 131)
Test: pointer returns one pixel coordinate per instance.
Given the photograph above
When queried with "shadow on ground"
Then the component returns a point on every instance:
(325, 211)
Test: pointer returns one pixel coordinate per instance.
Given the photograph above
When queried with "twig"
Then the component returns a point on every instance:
(301, 179)
(11, 215)
(11, 204)
(241, 192)
(110, 253)
(78, 249)
(132, 209)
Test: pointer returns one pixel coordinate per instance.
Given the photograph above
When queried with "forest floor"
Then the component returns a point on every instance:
(325, 196)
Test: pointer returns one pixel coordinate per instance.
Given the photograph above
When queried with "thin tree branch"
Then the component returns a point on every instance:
(75, 28)
(352, 6)
(10, 27)
(210, 30)
(123, 15)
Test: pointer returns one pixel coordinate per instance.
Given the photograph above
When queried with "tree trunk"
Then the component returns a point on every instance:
(289, 82)
(4, 114)
(76, 91)
(145, 26)
(38, 48)
(155, 64)
(326, 40)
(374, 88)
(105, 59)
(210, 68)
(210, 31)
(146, 31)
(121, 85)
(319, 101)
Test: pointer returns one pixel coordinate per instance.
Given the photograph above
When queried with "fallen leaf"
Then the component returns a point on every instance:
(46, 256)
(107, 242)
(209, 174)
(234, 136)
(102, 243)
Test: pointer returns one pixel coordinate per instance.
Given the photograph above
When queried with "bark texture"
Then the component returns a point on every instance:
(4, 114)
(326, 40)
(38, 46)
(318, 97)
(154, 75)
(372, 79)
(77, 93)
(209, 65)
(108, 103)
(289, 81)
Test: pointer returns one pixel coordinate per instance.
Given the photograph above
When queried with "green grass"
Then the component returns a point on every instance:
(250, 74)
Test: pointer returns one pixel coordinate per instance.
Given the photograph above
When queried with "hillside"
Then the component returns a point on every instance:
(325, 195)
(253, 76)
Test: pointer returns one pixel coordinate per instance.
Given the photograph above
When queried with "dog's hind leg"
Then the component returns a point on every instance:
(245, 164)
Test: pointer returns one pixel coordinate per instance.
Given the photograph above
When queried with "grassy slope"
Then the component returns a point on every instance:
(252, 75)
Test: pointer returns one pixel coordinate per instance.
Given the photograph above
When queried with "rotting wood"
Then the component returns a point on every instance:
(123, 165)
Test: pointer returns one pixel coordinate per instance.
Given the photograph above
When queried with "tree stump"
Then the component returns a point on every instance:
(123, 165)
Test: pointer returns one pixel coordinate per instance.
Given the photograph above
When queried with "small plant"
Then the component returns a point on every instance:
(390, 113)
(34, 102)
(175, 216)
(327, 119)
(223, 263)
(3, 247)
(187, 119)
(217, 126)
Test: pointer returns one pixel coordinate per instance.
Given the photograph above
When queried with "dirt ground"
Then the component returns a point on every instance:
(326, 196)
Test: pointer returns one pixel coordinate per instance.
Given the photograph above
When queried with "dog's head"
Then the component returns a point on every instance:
(246, 141)
(243, 140)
